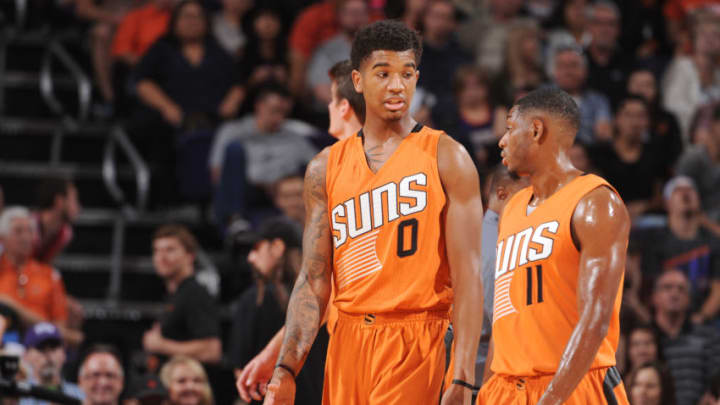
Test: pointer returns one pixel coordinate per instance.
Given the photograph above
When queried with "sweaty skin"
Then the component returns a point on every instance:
(536, 144)
(387, 81)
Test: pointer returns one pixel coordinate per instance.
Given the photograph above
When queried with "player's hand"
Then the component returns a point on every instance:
(457, 395)
(281, 389)
(252, 381)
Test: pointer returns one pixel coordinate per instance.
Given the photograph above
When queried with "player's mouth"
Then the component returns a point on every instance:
(394, 104)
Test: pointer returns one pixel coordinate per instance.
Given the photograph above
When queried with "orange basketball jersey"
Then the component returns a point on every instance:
(536, 276)
(388, 231)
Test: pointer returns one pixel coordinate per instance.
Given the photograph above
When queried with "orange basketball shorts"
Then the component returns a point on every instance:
(602, 386)
(386, 359)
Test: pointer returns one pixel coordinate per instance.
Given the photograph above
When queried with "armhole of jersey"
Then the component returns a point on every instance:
(573, 236)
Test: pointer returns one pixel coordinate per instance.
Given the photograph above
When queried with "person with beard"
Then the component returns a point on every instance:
(57, 207)
(260, 311)
(685, 245)
(44, 358)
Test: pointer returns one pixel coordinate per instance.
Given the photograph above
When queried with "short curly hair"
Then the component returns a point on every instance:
(554, 101)
(386, 35)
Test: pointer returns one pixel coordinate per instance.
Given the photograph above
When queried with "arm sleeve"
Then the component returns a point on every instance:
(201, 316)
(123, 42)
(58, 300)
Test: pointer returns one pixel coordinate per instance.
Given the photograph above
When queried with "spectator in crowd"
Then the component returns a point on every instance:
(651, 384)
(642, 347)
(104, 16)
(571, 31)
(260, 310)
(139, 29)
(186, 382)
(701, 162)
(44, 358)
(664, 128)
(685, 245)
(408, 11)
(265, 57)
(313, 26)
(523, 67)
(692, 352)
(677, 14)
(101, 376)
(347, 107)
(569, 73)
(644, 33)
(227, 26)
(190, 326)
(254, 152)
(474, 121)
(57, 207)
(31, 288)
(486, 34)
(186, 76)
(694, 80)
(628, 152)
(352, 15)
(442, 54)
(607, 63)
(287, 196)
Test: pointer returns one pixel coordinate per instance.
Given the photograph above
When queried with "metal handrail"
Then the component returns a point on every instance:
(118, 137)
(21, 7)
(84, 85)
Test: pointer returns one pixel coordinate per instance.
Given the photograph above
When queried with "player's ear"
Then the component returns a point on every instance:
(357, 80)
(538, 128)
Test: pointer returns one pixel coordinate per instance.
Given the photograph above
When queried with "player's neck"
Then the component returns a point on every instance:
(552, 177)
(380, 130)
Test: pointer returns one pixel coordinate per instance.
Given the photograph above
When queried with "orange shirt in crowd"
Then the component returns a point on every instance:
(37, 287)
(315, 25)
(139, 29)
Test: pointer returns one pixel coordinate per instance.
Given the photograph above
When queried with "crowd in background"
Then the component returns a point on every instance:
(227, 101)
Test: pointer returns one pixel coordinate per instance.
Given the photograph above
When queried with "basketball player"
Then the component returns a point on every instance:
(559, 269)
(394, 218)
(347, 112)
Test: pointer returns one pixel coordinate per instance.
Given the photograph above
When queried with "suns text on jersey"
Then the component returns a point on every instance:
(403, 198)
(529, 245)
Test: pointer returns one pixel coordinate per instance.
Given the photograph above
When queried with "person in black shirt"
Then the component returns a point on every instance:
(629, 162)
(685, 245)
(186, 76)
(190, 325)
(260, 311)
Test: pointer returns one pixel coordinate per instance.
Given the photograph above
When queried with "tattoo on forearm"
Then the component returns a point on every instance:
(307, 302)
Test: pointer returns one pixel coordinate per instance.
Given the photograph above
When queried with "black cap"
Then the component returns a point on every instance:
(271, 229)
(147, 386)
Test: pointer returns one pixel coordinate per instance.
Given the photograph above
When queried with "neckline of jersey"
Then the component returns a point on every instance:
(526, 201)
(361, 137)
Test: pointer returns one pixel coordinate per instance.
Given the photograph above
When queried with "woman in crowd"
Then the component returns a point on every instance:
(651, 384)
(186, 382)
(186, 76)
(265, 57)
(642, 347)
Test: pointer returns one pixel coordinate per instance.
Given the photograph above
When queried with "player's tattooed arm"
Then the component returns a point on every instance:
(601, 226)
(463, 222)
(312, 288)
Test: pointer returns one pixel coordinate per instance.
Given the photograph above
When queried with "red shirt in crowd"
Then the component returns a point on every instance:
(139, 29)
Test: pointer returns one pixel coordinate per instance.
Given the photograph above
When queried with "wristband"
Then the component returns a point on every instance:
(465, 384)
(286, 368)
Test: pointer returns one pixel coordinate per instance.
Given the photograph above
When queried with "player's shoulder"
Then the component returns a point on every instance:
(601, 207)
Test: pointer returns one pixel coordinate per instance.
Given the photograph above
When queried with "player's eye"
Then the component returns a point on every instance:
(408, 75)
(382, 75)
